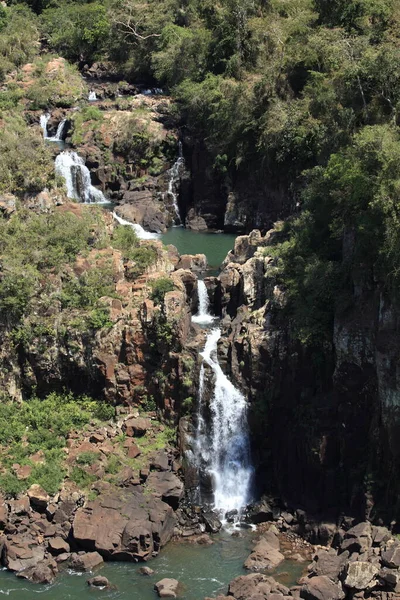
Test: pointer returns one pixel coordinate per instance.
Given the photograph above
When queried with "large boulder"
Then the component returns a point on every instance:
(86, 561)
(266, 554)
(38, 497)
(391, 555)
(197, 263)
(98, 582)
(255, 586)
(44, 572)
(124, 525)
(328, 562)
(167, 588)
(20, 554)
(166, 485)
(136, 426)
(321, 588)
(361, 575)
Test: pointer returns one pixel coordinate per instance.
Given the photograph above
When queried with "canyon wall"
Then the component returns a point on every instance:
(324, 421)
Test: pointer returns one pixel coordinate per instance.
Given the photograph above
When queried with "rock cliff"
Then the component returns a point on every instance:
(324, 424)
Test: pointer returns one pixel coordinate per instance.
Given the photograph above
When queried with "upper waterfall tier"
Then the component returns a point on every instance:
(76, 175)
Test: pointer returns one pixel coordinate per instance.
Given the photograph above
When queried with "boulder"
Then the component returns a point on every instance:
(197, 263)
(86, 561)
(167, 588)
(20, 554)
(360, 575)
(43, 572)
(136, 426)
(390, 578)
(328, 562)
(98, 582)
(160, 462)
(265, 554)
(146, 571)
(380, 535)
(125, 524)
(261, 512)
(167, 486)
(321, 588)
(38, 497)
(211, 521)
(255, 585)
(391, 555)
(58, 546)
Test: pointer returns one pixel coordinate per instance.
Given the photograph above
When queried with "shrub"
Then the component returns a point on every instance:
(87, 458)
(159, 288)
(82, 479)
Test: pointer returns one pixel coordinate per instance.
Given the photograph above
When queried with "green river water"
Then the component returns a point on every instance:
(202, 570)
(214, 245)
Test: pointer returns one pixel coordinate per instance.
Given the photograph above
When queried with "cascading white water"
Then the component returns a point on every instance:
(224, 450)
(44, 119)
(59, 133)
(138, 229)
(174, 175)
(92, 97)
(58, 137)
(203, 316)
(72, 168)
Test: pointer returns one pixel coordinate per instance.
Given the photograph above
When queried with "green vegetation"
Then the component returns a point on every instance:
(142, 256)
(26, 165)
(41, 426)
(35, 245)
(159, 288)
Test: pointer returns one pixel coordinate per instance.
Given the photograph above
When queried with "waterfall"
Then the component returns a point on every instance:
(203, 316)
(92, 96)
(174, 174)
(223, 448)
(138, 229)
(76, 175)
(44, 119)
(59, 133)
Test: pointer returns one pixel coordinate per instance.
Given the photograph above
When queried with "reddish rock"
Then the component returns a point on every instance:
(38, 497)
(43, 572)
(167, 486)
(136, 427)
(86, 561)
(321, 588)
(99, 582)
(124, 525)
(133, 451)
(58, 546)
(19, 553)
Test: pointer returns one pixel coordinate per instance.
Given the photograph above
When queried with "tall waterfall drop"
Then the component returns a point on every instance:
(223, 448)
(138, 229)
(203, 316)
(72, 168)
(174, 174)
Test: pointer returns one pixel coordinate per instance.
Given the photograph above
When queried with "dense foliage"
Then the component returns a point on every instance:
(42, 425)
(305, 93)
